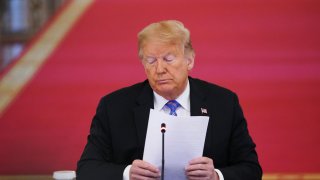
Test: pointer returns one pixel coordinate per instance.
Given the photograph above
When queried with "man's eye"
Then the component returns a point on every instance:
(151, 60)
(169, 58)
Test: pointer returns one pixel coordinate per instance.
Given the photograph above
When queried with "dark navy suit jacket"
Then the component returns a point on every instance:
(118, 132)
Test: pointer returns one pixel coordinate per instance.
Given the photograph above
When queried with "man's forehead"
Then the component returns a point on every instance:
(160, 48)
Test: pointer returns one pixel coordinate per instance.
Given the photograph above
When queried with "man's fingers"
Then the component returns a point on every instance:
(201, 163)
(145, 165)
(201, 160)
(195, 167)
(200, 168)
(144, 173)
(142, 170)
(140, 177)
(197, 173)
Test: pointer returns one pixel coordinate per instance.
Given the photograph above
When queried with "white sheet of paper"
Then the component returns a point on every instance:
(184, 140)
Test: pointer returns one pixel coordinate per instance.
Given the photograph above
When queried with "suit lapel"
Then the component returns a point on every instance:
(141, 115)
(199, 107)
(197, 100)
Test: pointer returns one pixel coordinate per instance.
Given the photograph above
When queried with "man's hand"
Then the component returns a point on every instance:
(201, 168)
(143, 170)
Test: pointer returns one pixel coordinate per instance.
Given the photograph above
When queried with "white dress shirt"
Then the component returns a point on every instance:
(182, 110)
(183, 100)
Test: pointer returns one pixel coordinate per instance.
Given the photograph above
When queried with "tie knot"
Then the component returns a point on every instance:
(172, 105)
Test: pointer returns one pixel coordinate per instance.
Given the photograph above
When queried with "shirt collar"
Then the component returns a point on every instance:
(183, 99)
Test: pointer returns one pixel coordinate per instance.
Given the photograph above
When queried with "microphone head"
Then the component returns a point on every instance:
(163, 127)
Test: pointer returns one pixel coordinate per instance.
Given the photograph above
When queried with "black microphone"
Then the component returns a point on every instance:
(163, 130)
(163, 127)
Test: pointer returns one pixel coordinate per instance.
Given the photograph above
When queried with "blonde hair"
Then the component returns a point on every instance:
(170, 32)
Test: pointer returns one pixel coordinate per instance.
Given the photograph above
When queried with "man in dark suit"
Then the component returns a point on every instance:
(118, 131)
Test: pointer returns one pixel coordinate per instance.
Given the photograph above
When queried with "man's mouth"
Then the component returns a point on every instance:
(163, 81)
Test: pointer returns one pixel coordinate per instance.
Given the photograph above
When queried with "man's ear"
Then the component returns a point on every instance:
(190, 61)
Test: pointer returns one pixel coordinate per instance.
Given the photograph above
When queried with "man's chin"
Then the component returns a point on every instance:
(165, 91)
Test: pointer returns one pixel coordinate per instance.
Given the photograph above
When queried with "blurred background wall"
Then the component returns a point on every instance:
(19, 22)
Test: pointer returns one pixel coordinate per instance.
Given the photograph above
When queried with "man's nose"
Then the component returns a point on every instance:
(160, 66)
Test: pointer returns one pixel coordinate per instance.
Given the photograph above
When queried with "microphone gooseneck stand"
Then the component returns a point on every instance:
(163, 130)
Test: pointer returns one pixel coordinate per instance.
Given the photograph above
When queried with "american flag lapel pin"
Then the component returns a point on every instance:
(204, 111)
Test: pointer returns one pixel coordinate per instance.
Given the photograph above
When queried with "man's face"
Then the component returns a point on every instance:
(166, 68)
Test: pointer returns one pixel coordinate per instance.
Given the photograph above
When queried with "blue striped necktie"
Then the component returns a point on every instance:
(172, 105)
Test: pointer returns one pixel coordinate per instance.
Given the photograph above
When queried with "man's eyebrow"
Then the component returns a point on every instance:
(149, 56)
